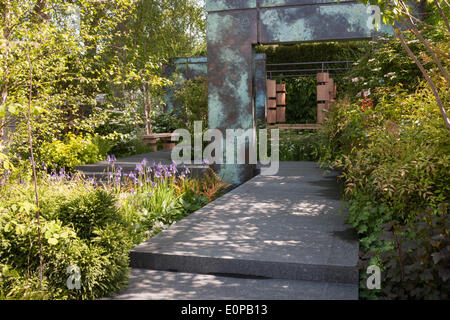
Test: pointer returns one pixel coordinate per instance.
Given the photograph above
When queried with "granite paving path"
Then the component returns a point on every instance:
(273, 237)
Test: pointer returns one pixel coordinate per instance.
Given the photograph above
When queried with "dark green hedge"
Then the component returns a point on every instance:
(313, 52)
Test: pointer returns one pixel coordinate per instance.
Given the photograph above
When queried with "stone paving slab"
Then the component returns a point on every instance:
(289, 226)
(162, 285)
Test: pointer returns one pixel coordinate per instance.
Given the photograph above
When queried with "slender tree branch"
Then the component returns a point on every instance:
(39, 10)
(423, 23)
(448, 5)
(441, 12)
(437, 50)
(433, 55)
(30, 142)
(426, 44)
(425, 74)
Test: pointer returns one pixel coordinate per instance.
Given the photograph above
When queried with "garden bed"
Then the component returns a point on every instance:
(87, 229)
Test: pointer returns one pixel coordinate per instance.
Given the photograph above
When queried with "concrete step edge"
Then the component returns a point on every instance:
(241, 267)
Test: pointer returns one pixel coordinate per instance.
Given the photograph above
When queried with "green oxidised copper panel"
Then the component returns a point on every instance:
(280, 3)
(230, 96)
(315, 23)
(220, 5)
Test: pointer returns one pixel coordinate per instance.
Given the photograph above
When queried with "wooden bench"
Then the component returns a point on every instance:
(166, 138)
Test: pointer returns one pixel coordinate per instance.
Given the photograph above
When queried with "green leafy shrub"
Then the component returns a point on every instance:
(104, 145)
(92, 237)
(384, 64)
(72, 151)
(87, 212)
(416, 257)
(163, 122)
(394, 153)
(300, 145)
(129, 146)
(395, 162)
(15, 286)
(193, 96)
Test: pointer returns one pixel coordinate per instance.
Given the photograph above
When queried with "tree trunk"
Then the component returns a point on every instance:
(147, 110)
(33, 164)
(5, 80)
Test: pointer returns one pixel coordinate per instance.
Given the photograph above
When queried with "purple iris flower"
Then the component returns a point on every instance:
(111, 159)
(139, 169)
(173, 167)
(131, 175)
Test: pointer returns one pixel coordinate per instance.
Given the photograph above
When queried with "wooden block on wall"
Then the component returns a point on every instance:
(281, 114)
(331, 87)
(323, 77)
(281, 87)
(271, 116)
(323, 93)
(281, 98)
(320, 112)
(271, 89)
(271, 103)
